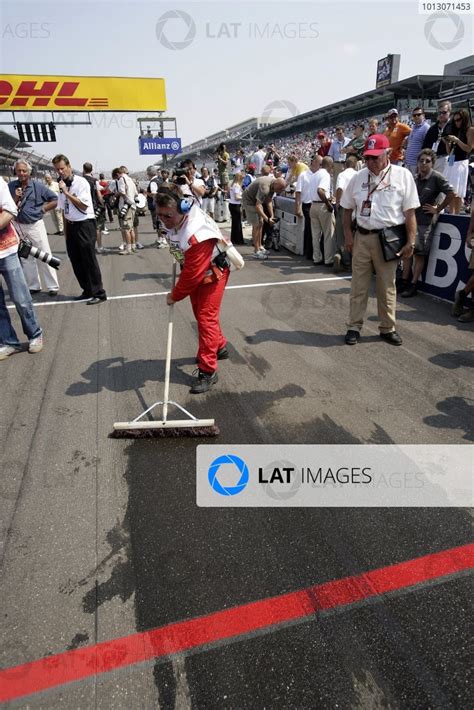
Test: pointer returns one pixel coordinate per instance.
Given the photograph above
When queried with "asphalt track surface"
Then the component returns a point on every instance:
(102, 539)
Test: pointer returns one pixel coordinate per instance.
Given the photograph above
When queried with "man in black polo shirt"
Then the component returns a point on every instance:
(430, 185)
(439, 130)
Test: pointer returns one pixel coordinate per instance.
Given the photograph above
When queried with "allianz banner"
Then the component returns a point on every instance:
(447, 269)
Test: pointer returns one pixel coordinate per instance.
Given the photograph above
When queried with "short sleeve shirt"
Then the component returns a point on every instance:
(396, 136)
(392, 193)
(428, 191)
(260, 190)
(80, 188)
(35, 195)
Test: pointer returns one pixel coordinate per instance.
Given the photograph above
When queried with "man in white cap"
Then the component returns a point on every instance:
(382, 195)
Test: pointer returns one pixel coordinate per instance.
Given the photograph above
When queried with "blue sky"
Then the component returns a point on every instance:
(240, 57)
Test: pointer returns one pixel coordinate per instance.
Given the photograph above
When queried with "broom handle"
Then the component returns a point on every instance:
(168, 349)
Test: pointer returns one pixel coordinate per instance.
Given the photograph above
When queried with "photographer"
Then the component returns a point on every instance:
(190, 186)
(33, 199)
(127, 190)
(12, 272)
(209, 200)
(193, 239)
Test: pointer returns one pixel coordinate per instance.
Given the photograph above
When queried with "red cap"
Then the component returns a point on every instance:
(321, 134)
(376, 144)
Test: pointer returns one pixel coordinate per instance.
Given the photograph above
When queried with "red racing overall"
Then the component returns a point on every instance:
(194, 246)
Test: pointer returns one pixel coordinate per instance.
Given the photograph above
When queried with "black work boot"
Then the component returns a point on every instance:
(203, 381)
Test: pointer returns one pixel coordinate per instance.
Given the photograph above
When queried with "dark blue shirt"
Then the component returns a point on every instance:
(35, 195)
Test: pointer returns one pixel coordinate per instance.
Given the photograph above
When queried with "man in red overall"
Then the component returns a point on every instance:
(193, 238)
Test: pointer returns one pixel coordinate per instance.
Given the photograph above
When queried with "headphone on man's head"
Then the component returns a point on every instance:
(183, 204)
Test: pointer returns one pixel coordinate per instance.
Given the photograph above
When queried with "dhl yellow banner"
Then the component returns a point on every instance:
(80, 93)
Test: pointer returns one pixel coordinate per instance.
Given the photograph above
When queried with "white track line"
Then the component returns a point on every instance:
(164, 293)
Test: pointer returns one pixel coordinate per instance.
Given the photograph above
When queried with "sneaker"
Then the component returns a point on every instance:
(336, 265)
(264, 251)
(459, 301)
(105, 231)
(122, 247)
(203, 381)
(53, 292)
(161, 244)
(134, 249)
(467, 317)
(100, 250)
(125, 252)
(412, 290)
(36, 344)
(139, 245)
(259, 255)
(7, 350)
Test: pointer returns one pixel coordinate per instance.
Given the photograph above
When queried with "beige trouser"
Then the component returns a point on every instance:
(337, 169)
(367, 253)
(323, 222)
(34, 268)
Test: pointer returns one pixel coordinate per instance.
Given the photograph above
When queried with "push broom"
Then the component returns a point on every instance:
(149, 429)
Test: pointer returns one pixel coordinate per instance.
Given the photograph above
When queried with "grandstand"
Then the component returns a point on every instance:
(12, 149)
(418, 90)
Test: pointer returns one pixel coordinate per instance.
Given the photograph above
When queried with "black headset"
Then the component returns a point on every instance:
(183, 204)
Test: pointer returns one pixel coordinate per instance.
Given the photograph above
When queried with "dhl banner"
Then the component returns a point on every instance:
(80, 93)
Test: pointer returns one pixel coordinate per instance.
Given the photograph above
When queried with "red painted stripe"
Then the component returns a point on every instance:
(75, 665)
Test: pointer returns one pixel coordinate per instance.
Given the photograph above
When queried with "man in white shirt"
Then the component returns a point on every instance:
(342, 258)
(383, 195)
(303, 202)
(258, 159)
(126, 209)
(75, 200)
(322, 213)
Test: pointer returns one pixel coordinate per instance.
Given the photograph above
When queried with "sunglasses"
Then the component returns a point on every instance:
(415, 115)
(443, 111)
(425, 160)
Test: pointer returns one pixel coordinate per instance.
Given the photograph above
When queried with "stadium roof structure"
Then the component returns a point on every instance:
(401, 94)
(12, 149)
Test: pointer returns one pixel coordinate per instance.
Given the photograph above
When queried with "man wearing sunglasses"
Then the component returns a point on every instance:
(439, 130)
(383, 195)
(415, 139)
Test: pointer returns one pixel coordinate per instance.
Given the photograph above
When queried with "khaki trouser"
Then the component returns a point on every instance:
(337, 169)
(323, 222)
(367, 252)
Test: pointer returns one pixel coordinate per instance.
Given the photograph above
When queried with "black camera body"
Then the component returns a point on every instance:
(26, 248)
(179, 176)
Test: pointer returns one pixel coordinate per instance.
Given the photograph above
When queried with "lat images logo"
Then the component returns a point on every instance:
(229, 461)
(189, 26)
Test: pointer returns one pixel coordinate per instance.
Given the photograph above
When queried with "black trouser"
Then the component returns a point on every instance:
(80, 246)
(308, 236)
(108, 208)
(236, 234)
(152, 210)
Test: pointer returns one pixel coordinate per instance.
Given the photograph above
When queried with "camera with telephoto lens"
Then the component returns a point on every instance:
(26, 248)
(123, 211)
(179, 176)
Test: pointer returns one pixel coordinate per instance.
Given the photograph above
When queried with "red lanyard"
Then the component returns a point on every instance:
(370, 192)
